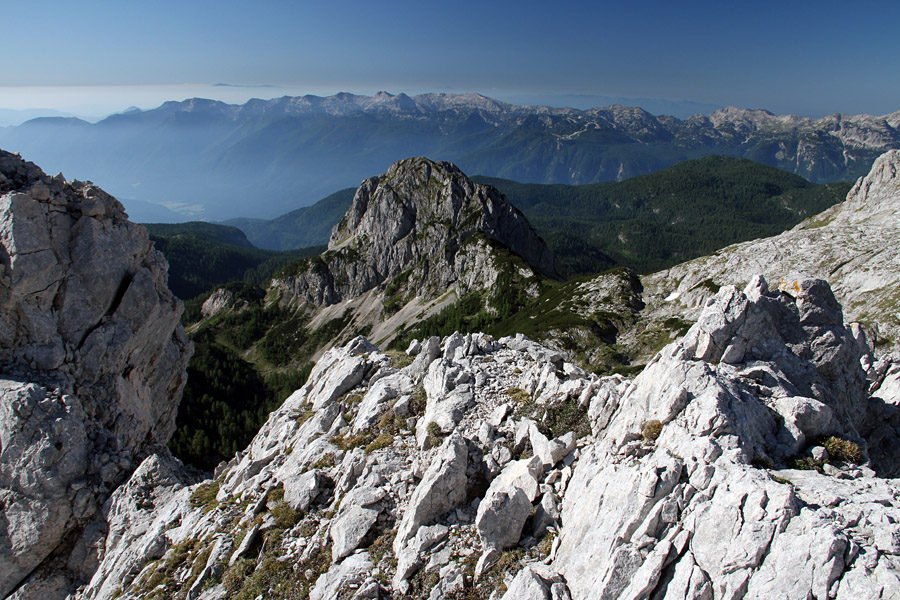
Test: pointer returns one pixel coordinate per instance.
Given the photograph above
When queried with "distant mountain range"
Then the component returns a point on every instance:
(209, 160)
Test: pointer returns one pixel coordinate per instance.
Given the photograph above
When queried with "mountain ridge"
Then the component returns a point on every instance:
(207, 158)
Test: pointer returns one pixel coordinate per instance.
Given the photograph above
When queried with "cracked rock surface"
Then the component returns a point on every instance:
(92, 363)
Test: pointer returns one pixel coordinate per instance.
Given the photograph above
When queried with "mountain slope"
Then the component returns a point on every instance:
(483, 468)
(850, 244)
(205, 255)
(301, 228)
(217, 161)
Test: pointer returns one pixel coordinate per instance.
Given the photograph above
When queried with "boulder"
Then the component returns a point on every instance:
(349, 528)
(443, 487)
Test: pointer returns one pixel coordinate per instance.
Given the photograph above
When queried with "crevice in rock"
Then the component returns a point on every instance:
(120, 293)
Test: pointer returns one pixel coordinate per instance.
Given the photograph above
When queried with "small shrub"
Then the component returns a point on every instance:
(352, 441)
(517, 394)
(285, 516)
(842, 450)
(399, 358)
(417, 401)
(351, 398)
(434, 434)
(807, 463)
(307, 529)
(234, 577)
(387, 423)
(305, 416)
(651, 430)
(382, 545)
(546, 544)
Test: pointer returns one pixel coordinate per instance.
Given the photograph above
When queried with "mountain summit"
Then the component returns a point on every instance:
(421, 229)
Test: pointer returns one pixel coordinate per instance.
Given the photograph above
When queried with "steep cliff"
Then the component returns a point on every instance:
(92, 363)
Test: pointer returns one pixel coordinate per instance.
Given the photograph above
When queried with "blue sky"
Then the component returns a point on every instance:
(799, 57)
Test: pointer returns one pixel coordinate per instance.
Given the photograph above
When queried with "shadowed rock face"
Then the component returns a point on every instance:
(427, 221)
(93, 364)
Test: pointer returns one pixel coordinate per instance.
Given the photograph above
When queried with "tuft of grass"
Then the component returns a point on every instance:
(382, 441)
(304, 416)
(807, 463)
(382, 546)
(285, 516)
(434, 434)
(517, 394)
(417, 401)
(651, 430)
(205, 496)
(351, 441)
(399, 358)
(326, 462)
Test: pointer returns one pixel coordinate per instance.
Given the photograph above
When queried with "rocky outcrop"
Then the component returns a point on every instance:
(423, 227)
(92, 363)
(673, 486)
(851, 245)
(742, 462)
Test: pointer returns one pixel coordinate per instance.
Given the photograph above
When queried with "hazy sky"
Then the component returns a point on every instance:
(787, 56)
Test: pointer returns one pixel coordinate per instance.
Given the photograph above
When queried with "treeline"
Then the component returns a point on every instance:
(203, 256)
(246, 362)
(654, 221)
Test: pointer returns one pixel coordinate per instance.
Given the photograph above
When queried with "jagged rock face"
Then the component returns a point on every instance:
(682, 487)
(759, 378)
(426, 222)
(852, 245)
(93, 363)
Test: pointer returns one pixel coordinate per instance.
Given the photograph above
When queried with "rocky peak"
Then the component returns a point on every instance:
(876, 197)
(427, 222)
(92, 363)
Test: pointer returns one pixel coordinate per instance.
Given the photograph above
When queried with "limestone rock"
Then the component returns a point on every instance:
(442, 488)
(93, 362)
(507, 503)
(527, 585)
(302, 491)
(349, 528)
(422, 213)
(351, 572)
